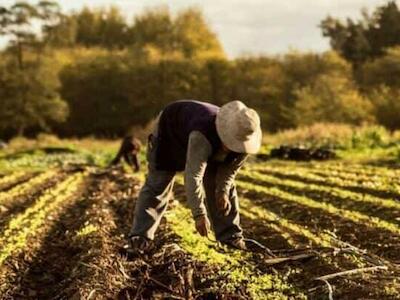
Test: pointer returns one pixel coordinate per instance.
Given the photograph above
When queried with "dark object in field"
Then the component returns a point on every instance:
(129, 150)
(56, 150)
(302, 153)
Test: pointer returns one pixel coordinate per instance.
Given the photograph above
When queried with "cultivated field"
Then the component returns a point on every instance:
(64, 217)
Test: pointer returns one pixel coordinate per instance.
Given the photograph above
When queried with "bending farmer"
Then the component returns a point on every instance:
(210, 144)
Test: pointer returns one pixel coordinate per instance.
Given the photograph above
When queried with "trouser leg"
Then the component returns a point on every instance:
(153, 199)
(224, 227)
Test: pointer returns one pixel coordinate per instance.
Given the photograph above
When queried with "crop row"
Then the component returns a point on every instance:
(357, 169)
(329, 208)
(11, 179)
(343, 198)
(25, 187)
(305, 174)
(370, 180)
(27, 223)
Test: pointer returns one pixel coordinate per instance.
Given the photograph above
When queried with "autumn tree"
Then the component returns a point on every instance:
(29, 98)
(28, 83)
(188, 33)
(331, 98)
(386, 103)
(365, 39)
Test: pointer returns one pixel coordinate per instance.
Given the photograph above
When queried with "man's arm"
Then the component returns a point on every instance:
(226, 174)
(135, 162)
(118, 157)
(199, 150)
(121, 152)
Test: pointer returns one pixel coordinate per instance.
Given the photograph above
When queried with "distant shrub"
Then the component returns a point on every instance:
(396, 137)
(319, 134)
(45, 139)
(21, 143)
(370, 137)
(331, 135)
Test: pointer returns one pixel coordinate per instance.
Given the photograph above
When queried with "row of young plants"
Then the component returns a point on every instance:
(26, 187)
(12, 178)
(371, 205)
(346, 168)
(327, 207)
(355, 169)
(356, 178)
(27, 224)
(303, 173)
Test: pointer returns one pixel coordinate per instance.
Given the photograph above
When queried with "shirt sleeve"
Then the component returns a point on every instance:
(226, 173)
(199, 151)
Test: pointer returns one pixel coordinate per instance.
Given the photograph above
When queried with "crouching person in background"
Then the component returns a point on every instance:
(129, 151)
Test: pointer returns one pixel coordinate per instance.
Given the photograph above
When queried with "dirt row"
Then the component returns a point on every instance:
(82, 256)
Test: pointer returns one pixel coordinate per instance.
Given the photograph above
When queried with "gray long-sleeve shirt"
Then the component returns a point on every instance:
(198, 154)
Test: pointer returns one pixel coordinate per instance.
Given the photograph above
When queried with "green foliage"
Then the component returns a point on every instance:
(338, 136)
(359, 41)
(302, 72)
(114, 75)
(370, 137)
(331, 99)
(154, 28)
(29, 83)
(30, 97)
(103, 27)
(194, 37)
(95, 90)
(384, 70)
(18, 25)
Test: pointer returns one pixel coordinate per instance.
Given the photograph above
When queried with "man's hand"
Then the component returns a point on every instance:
(223, 204)
(202, 225)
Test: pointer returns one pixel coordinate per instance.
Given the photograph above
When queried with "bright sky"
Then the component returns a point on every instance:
(252, 26)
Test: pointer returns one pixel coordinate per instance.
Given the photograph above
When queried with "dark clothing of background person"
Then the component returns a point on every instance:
(129, 150)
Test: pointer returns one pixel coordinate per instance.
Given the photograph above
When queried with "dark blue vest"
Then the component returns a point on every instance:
(176, 123)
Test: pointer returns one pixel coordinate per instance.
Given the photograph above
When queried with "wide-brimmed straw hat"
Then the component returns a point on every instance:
(239, 127)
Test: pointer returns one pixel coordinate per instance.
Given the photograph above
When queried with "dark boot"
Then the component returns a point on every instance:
(236, 243)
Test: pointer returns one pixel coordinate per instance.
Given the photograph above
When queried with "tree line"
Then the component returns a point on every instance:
(93, 72)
